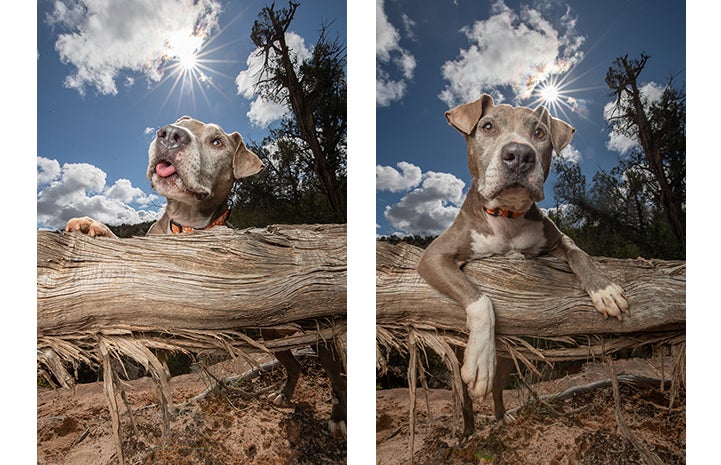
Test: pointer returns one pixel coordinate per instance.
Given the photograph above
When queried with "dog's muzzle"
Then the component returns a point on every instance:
(172, 137)
(517, 158)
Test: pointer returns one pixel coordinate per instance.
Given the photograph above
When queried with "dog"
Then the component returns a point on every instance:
(194, 165)
(509, 158)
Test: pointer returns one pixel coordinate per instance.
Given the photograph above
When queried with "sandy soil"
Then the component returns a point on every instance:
(585, 432)
(239, 426)
(228, 427)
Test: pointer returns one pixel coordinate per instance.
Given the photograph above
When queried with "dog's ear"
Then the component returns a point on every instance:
(465, 117)
(561, 132)
(183, 117)
(245, 162)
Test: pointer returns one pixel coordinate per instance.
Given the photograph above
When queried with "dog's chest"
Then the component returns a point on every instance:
(509, 236)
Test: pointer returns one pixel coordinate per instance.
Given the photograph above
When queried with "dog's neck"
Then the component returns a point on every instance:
(481, 206)
(182, 218)
(177, 228)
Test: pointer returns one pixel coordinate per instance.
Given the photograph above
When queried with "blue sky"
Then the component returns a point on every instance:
(434, 55)
(106, 83)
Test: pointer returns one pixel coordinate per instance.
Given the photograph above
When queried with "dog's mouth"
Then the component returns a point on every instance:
(165, 169)
(514, 196)
(169, 177)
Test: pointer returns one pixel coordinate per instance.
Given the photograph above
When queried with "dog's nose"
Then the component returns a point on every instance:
(518, 157)
(172, 136)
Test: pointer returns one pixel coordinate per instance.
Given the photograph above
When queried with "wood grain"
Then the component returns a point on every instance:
(217, 280)
(534, 297)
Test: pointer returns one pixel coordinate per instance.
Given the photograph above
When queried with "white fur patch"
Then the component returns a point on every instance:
(479, 359)
(610, 301)
(523, 236)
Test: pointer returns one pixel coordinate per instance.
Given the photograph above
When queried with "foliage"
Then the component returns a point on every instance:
(418, 241)
(638, 207)
(285, 192)
(305, 181)
(131, 230)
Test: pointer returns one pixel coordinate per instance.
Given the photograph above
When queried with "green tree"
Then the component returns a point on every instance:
(661, 132)
(307, 153)
(638, 207)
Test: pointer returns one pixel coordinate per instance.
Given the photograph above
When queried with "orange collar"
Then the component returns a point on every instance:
(503, 212)
(177, 228)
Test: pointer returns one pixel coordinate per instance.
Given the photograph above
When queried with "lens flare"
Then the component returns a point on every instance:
(187, 65)
(554, 93)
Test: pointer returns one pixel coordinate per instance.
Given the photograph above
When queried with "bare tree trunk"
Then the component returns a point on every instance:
(302, 107)
(648, 141)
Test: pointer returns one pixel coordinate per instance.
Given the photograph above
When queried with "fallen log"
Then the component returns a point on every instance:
(541, 312)
(101, 300)
(218, 280)
(539, 297)
(190, 293)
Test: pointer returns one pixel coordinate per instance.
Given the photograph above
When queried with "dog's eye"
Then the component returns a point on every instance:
(487, 127)
(217, 142)
(539, 133)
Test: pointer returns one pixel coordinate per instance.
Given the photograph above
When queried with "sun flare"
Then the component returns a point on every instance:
(188, 66)
(555, 94)
(549, 94)
(183, 48)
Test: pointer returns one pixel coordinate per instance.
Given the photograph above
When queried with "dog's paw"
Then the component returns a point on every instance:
(610, 301)
(507, 419)
(337, 428)
(279, 400)
(479, 359)
(89, 226)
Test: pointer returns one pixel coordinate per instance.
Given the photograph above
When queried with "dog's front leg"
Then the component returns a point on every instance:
(607, 296)
(479, 359)
(442, 272)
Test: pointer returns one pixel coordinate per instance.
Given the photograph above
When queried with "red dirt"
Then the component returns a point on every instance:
(226, 427)
(585, 433)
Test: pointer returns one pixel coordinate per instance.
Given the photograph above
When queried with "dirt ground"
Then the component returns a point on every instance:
(240, 426)
(582, 431)
(229, 427)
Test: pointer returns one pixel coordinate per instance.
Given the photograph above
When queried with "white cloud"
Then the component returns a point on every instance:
(262, 111)
(570, 153)
(394, 64)
(430, 208)
(509, 49)
(47, 170)
(390, 179)
(79, 189)
(106, 38)
(622, 141)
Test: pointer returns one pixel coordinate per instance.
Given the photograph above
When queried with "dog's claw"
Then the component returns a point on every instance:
(279, 400)
(337, 428)
(610, 301)
(89, 226)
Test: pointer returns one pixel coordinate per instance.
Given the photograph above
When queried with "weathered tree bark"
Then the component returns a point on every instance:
(220, 280)
(538, 297)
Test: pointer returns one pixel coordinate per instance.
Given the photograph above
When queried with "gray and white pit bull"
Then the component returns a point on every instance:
(194, 165)
(509, 157)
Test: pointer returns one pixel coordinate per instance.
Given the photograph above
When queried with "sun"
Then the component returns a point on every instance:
(549, 94)
(186, 64)
(183, 48)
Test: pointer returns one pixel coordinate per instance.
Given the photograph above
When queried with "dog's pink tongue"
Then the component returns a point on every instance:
(164, 169)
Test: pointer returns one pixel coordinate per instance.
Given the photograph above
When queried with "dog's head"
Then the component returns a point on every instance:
(194, 162)
(509, 149)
